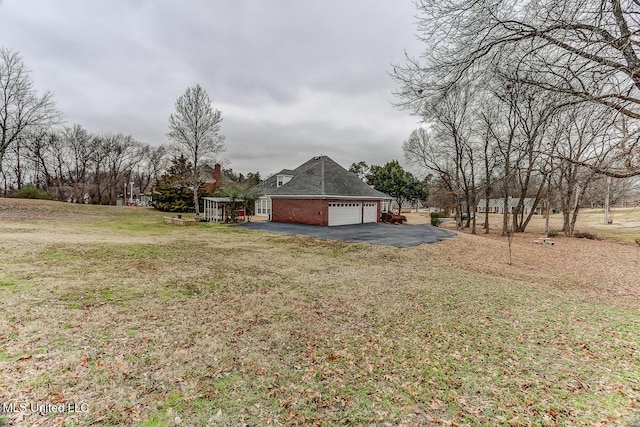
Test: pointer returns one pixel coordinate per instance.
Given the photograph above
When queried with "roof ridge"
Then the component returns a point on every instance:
(322, 176)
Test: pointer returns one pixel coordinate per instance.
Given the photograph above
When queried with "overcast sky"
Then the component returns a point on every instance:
(293, 78)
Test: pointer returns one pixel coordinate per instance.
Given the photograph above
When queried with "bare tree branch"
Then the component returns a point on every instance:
(195, 128)
(22, 110)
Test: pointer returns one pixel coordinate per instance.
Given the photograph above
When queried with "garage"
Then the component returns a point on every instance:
(370, 212)
(344, 213)
(321, 192)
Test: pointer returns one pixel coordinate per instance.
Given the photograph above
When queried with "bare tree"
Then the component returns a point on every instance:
(21, 109)
(489, 119)
(16, 152)
(454, 120)
(152, 164)
(588, 138)
(431, 155)
(500, 119)
(48, 152)
(119, 154)
(534, 111)
(451, 154)
(584, 50)
(78, 143)
(195, 128)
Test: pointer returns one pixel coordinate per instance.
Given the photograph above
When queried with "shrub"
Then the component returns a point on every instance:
(436, 218)
(585, 235)
(31, 192)
(553, 233)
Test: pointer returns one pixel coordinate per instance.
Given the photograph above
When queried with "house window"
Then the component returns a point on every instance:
(263, 206)
(282, 180)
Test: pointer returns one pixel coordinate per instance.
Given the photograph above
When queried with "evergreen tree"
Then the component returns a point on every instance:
(396, 182)
(173, 192)
(254, 178)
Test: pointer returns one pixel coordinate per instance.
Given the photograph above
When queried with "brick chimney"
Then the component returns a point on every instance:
(217, 174)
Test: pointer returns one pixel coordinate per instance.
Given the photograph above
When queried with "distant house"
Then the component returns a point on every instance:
(497, 206)
(213, 177)
(320, 192)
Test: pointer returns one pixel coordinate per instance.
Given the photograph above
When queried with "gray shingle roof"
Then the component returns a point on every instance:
(269, 185)
(321, 176)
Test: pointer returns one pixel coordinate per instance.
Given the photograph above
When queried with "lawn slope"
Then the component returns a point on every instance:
(153, 325)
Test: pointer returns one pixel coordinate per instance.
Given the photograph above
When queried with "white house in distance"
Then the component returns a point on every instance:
(497, 205)
(320, 192)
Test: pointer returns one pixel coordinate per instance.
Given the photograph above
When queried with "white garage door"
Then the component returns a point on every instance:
(345, 213)
(370, 212)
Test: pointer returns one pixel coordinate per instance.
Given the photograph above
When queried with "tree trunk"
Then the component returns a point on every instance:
(534, 205)
(196, 204)
(505, 216)
(486, 218)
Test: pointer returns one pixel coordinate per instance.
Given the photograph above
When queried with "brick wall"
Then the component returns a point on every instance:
(307, 211)
(304, 211)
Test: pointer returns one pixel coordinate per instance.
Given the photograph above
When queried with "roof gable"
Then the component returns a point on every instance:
(269, 185)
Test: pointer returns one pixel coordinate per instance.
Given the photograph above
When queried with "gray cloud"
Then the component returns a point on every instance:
(293, 79)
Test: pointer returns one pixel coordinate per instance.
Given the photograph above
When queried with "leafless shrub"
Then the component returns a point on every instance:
(585, 235)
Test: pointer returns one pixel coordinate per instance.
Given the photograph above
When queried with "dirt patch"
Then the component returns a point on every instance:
(584, 266)
(587, 267)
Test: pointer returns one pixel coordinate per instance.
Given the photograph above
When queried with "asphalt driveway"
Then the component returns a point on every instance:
(400, 236)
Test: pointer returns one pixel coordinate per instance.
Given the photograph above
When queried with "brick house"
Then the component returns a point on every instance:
(320, 192)
(214, 177)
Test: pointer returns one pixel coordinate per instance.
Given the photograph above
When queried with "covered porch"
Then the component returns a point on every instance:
(221, 209)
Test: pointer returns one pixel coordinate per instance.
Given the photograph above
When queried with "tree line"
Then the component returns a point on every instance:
(520, 100)
(73, 164)
(69, 163)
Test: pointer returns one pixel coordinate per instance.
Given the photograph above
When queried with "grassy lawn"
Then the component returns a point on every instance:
(143, 323)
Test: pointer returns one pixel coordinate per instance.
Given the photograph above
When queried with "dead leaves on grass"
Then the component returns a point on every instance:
(296, 330)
